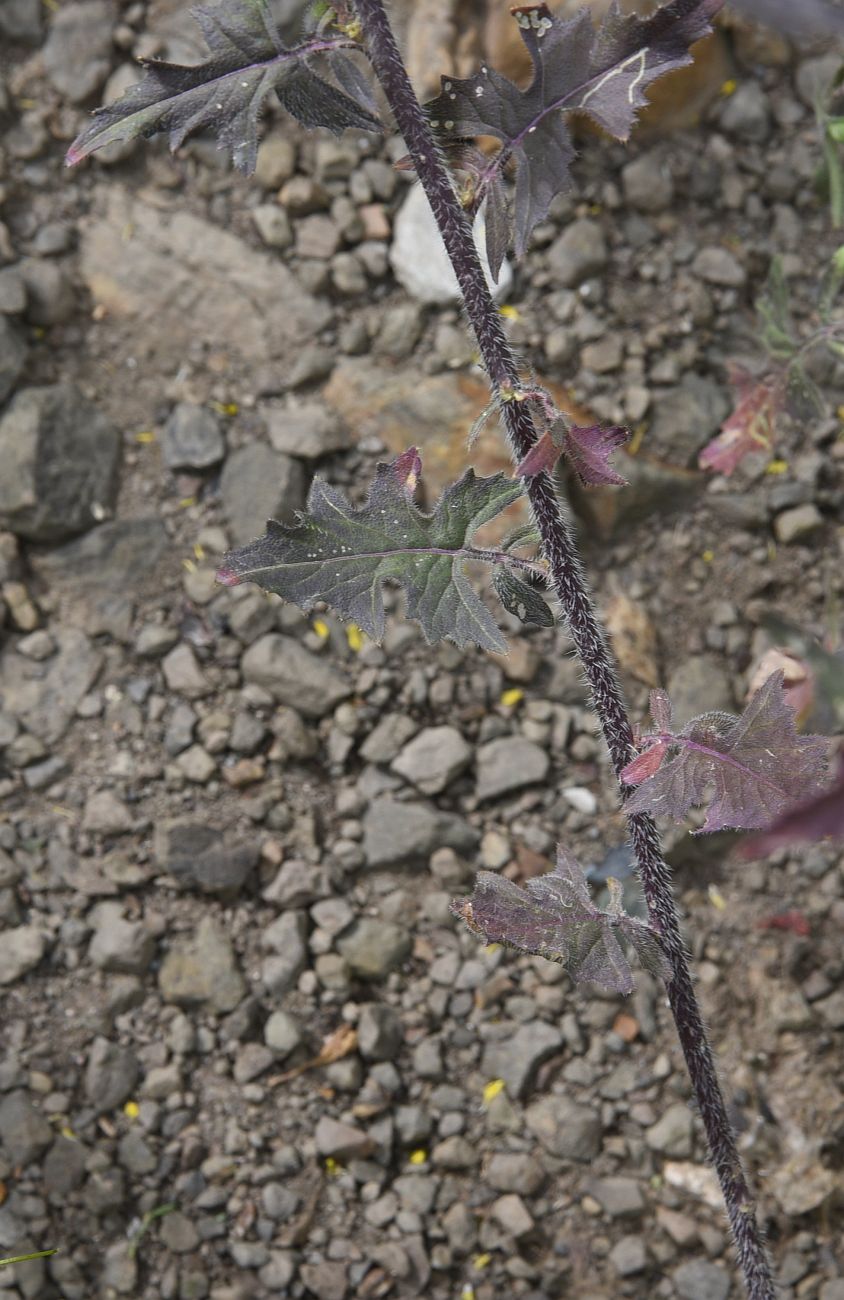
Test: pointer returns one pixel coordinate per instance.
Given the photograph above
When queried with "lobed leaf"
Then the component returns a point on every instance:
(555, 918)
(587, 448)
(812, 820)
(225, 94)
(343, 555)
(749, 768)
(602, 73)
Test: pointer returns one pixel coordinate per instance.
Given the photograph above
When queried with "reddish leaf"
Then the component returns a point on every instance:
(589, 448)
(796, 922)
(812, 820)
(753, 767)
(541, 458)
(647, 763)
(750, 427)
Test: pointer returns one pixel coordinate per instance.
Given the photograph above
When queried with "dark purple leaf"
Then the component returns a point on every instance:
(225, 94)
(749, 768)
(815, 819)
(554, 917)
(589, 448)
(541, 458)
(575, 69)
(342, 554)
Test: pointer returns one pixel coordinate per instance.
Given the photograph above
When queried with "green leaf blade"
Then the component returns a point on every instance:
(343, 555)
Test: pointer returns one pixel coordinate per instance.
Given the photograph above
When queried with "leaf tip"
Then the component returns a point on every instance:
(228, 577)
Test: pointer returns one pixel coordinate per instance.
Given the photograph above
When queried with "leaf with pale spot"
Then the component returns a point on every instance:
(554, 917)
(749, 769)
(343, 555)
(602, 73)
(225, 94)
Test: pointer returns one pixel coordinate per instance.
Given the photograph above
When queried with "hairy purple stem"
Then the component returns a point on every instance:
(586, 632)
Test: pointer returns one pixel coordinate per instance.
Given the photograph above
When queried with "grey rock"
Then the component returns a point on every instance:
(341, 1141)
(717, 265)
(201, 969)
(124, 553)
(276, 161)
(833, 1290)
(179, 269)
(672, 1134)
(379, 1032)
(106, 814)
(287, 940)
(273, 225)
(647, 181)
(798, 522)
(326, 1279)
(413, 1125)
(13, 354)
(309, 431)
(700, 1280)
(512, 1215)
(419, 259)
(433, 759)
(192, 438)
(515, 1172)
(247, 734)
(154, 640)
(110, 1075)
(12, 293)
(400, 329)
(20, 952)
(396, 834)
(179, 1233)
(746, 114)
(509, 764)
(294, 676)
(517, 1060)
(619, 1197)
(297, 884)
(455, 1152)
(198, 857)
(61, 459)
(699, 685)
(64, 1166)
(120, 945)
(24, 1132)
(258, 484)
(387, 737)
(21, 20)
(183, 674)
(282, 1034)
(50, 297)
(629, 1256)
(564, 1128)
(815, 76)
(135, 1154)
(686, 417)
(79, 51)
(120, 1269)
(251, 1062)
(372, 947)
(578, 253)
(280, 1203)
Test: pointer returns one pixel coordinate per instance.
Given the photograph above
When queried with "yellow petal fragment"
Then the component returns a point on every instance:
(492, 1089)
(354, 636)
(131, 1110)
(512, 697)
(418, 1157)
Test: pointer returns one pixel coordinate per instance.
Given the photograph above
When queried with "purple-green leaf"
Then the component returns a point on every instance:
(602, 73)
(342, 554)
(749, 769)
(226, 93)
(554, 917)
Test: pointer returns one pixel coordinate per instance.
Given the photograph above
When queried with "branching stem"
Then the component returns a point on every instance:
(571, 589)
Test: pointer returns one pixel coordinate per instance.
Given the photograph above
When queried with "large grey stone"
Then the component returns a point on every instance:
(294, 676)
(119, 945)
(565, 1129)
(192, 438)
(398, 834)
(517, 1059)
(121, 553)
(44, 696)
(201, 969)
(79, 49)
(13, 352)
(578, 253)
(21, 950)
(258, 484)
(509, 764)
(433, 759)
(110, 1075)
(198, 857)
(169, 278)
(372, 947)
(308, 431)
(419, 259)
(24, 1132)
(60, 459)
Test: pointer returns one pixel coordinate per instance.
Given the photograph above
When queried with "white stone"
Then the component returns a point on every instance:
(419, 259)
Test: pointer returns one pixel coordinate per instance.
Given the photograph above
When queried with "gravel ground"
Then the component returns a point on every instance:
(246, 1051)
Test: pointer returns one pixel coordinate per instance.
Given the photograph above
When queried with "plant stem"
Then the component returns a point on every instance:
(571, 589)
